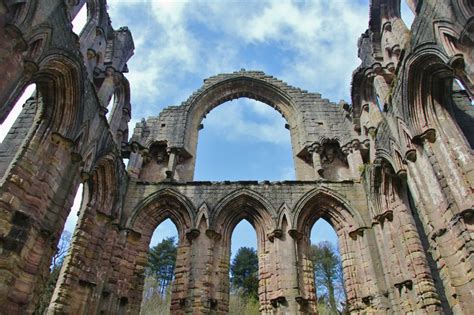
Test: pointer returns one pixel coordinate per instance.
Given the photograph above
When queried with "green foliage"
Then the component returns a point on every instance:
(153, 302)
(244, 271)
(328, 277)
(161, 261)
(239, 305)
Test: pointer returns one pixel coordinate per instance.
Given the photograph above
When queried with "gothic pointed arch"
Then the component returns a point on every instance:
(202, 214)
(284, 213)
(429, 91)
(240, 204)
(104, 175)
(330, 205)
(163, 204)
(61, 96)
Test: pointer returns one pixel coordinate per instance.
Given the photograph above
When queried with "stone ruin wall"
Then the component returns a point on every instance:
(392, 172)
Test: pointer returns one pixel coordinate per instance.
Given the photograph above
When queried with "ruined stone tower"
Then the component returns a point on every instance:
(393, 172)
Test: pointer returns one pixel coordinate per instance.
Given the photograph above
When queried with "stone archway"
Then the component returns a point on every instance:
(349, 226)
(308, 116)
(162, 205)
(243, 204)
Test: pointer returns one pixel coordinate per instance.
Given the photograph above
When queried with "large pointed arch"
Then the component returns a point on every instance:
(102, 178)
(426, 71)
(161, 205)
(62, 97)
(243, 204)
(220, 89)
(329, 205)
(287, 100)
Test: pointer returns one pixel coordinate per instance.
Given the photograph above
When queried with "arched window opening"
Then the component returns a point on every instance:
(7, 124)
(110, 107)
(327, 265)
(16, 125)
(406, 13)
(59, 255)
(454, 108)
(244, 270)
(80, 21)
(159, 273)
(460, 90)
(244, 139)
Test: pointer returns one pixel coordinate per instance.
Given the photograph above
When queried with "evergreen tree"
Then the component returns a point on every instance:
(161, 261)
(244, 271)
(328, 274)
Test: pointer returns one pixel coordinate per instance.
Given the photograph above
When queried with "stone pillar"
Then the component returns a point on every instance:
(199, 300)
(368, 279)
(382, 89)
(218, 273)
(135, 162)
(372, 135)
(221, 259)
(423, 283)
(449, 229)
(354, 158)
(180, 284)
(34, 200)
(172, 162)
(85, 269)
(315, 151)
(107, 88)
(286, 248)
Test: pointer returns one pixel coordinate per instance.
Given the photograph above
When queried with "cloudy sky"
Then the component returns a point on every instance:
(309, 44)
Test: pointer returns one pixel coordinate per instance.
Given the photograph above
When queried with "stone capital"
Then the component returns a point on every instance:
(192, 234)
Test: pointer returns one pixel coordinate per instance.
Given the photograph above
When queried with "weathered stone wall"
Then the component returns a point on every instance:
(392, 173)
(58, 139)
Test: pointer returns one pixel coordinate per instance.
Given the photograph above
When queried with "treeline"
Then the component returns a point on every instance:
(244, 279)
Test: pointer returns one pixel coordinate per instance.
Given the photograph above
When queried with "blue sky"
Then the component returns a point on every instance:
(309, 44)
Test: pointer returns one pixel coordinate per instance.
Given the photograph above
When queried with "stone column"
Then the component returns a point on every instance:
(369, 282)
(181, 278)
(315, 151)
(382, 89)
(172, 162)
(423, 284)
(287, 272)
(199, 299)
(135, 162)
(86, 267)
(354, 158)
(449, 229)
(34, 202)
(372, 135)
(107, 88)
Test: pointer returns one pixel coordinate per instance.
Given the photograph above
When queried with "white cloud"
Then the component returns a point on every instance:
(322, 36)
(317, 40)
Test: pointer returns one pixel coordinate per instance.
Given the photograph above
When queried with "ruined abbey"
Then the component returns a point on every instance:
(392, 172)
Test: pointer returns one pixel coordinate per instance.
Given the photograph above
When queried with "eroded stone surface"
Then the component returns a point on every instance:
(393, 172)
